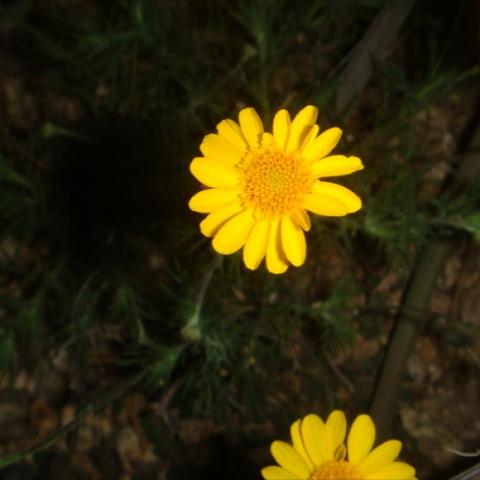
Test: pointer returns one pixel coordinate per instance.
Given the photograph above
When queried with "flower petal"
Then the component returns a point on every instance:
(324, 205)
(214, 174)
(394, 471)
(351, 201)
(360, 439)
(281, 128)
(210, 225)
(302, 219)
(276, 261)
(256, 245)
(206, 201)
(233, 234)
(335, 166)
(297, 441)
(251, 125)
(310, 137)
(289, 459)
(277, 473)
(380, 457)
(313, 429)
(267, 139)
(293, 242)
(230, 131)
(217, 148)
(322, 145)
(301, 126)
(337, 427)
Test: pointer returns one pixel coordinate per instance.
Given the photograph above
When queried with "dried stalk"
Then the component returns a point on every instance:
(374, 46)
(418, 296)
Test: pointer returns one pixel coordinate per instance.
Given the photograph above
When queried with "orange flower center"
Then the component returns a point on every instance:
(336, 470)
(272, 182)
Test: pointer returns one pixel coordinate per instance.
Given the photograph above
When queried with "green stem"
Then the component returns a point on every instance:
(192, 330)
(89, 409)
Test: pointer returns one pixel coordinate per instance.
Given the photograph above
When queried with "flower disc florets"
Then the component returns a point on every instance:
(273, 183)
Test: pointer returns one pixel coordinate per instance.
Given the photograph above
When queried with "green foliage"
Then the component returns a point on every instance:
(394, 217)
(458, 210)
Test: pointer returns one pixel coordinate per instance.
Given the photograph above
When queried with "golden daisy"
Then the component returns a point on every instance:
(318, 452)
(262, 186)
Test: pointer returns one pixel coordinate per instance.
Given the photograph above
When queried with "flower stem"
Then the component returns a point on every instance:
(192, 329)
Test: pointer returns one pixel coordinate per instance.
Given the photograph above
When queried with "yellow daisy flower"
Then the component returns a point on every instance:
(318, 452)
(263, 184)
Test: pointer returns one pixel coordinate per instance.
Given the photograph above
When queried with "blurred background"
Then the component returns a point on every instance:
(102, 107)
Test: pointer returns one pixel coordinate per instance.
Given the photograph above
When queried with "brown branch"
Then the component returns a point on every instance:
(418, 296)
(340, 375)
(374, 46)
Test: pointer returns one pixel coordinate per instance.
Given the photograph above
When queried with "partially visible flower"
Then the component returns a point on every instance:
(318, 452)
(262, 184)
